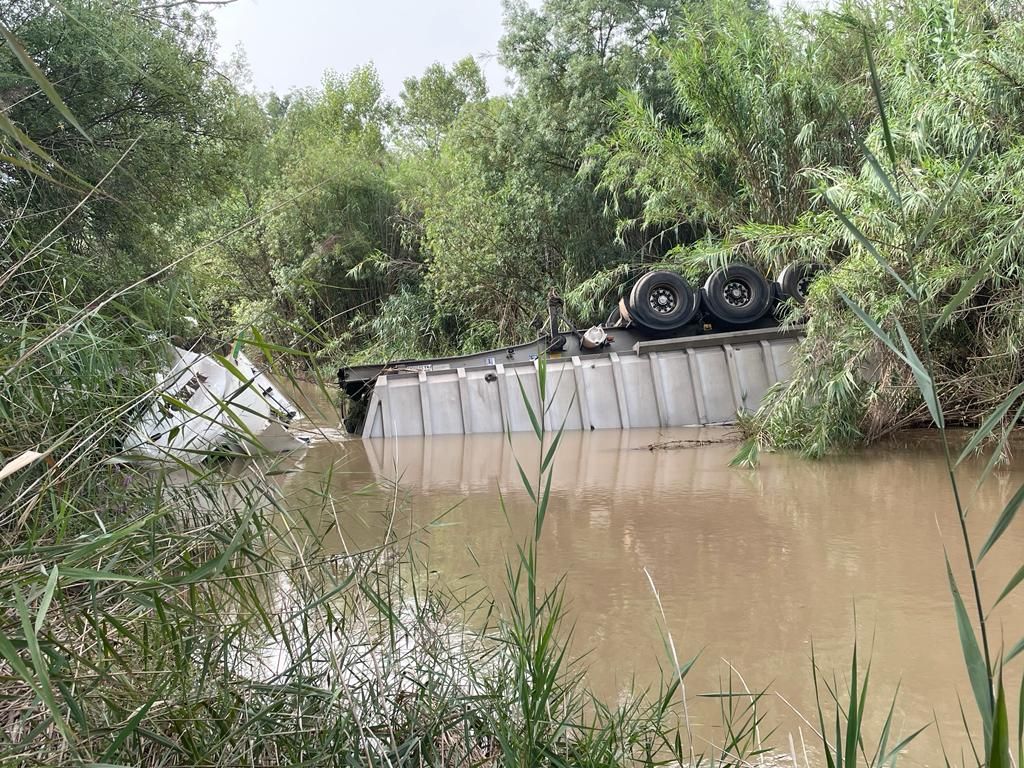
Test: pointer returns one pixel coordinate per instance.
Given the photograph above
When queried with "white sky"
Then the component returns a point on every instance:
(289, 43)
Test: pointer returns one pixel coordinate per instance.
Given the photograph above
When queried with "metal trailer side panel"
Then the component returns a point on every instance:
(753, 375)
(442, 404)
(405, 404)
(782, 353)
(600, 391)
(663, 384)
(678, 399)
(716, 385)
(484, 402)
(638, 385)
(519, 380)
(563, 397)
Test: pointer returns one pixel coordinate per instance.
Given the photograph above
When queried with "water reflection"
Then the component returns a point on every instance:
(750, 566)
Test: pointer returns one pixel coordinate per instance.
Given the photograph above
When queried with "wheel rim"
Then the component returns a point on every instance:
(737, 293)
(663, 300)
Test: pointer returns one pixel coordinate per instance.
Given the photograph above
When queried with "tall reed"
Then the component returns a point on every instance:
(914, 349)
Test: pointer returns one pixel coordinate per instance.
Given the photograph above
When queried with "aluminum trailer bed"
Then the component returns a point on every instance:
(632, 380)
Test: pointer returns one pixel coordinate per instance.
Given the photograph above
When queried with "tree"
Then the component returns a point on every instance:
(158, 129)
(763, 106)
(513, 211)
(572, 57)
(432, 102)
(326, 247)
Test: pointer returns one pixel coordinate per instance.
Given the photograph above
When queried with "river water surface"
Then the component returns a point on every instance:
(751, 566)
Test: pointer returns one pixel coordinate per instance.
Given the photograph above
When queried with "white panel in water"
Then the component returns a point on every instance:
(600, 393)
(444, 400)
(639, 391)
(754, 377)
(563, 405)
(677, 402)
(518, 379)
(715, 385)
(483, 401)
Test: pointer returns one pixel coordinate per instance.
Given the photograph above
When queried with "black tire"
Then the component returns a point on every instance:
(662, 301)
(614, 318)
(795, 279)
(737, 294)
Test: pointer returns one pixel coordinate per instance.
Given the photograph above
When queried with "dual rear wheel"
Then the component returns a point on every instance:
(736, 294)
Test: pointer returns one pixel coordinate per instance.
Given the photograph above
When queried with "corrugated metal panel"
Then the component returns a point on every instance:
(672, 383)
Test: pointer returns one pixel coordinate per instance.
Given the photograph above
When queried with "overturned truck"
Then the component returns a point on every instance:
(667, 356)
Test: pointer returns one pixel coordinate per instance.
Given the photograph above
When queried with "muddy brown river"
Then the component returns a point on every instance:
(751, 566)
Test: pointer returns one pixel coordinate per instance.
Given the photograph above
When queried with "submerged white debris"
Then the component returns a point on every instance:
(202, 405)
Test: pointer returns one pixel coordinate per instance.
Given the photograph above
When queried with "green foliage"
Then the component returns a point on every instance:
(492, 257)
(958, 181)
(763, 105)
(314, 240)
(157, 129)
(772, 157)
(432, 102)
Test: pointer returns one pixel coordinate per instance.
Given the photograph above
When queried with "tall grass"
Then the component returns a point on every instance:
(994, 746)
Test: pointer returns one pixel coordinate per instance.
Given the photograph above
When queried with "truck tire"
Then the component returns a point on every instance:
(795, 279)
(737, 294)
(662, 301)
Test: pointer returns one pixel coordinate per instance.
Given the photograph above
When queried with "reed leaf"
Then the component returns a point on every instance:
(854, 715)
(925, 383)
(868, 246)
(40, 682)
(889, 758)
(880, 172)
(999, 753)
(28, 165)
(977, 671)
(1005, 518)
(983, 272)
(542, 508)
(873, 326)
(1020, 723)
(538, 428)
(876, 90)
(1014, 651)
(45, 600)
(1011, 585)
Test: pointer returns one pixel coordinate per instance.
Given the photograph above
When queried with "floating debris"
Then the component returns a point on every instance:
(674, 445)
